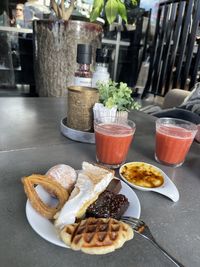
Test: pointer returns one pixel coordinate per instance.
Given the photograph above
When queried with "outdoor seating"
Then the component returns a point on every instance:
(175, 54)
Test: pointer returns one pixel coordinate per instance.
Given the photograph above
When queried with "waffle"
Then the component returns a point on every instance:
(96, 236)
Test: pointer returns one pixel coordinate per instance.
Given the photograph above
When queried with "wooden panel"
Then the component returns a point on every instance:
(183, 44)
(175, 42)
(172, 57)
(167, 47)
(191, 41)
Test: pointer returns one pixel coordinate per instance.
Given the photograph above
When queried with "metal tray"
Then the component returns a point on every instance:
(84, 137)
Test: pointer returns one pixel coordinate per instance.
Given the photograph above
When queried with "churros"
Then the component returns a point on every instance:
(61, 193)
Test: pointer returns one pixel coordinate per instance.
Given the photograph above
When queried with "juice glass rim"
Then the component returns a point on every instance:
(187, 125)
(100, 121)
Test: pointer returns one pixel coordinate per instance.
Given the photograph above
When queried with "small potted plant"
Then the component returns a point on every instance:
(115, 99)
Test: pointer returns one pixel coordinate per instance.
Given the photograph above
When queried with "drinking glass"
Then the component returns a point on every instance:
(113, 137)
(173, 140)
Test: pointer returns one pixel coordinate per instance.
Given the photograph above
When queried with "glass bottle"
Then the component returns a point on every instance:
(83, 75)
(101, 73)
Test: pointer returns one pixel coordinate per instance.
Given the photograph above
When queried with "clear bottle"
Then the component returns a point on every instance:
(101, 73)
(83, 75)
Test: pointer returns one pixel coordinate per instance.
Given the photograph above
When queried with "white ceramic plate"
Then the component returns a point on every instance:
(167, 189)
(46, 229)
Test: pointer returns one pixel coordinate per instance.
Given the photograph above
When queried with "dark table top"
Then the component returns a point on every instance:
(31, 142)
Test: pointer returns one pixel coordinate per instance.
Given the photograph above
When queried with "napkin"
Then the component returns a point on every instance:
(100, 110)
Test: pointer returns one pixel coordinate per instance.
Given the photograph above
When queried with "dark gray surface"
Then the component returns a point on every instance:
(31, 122)
(175, 225)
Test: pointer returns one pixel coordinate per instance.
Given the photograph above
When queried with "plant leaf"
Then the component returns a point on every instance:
(134, 2)
(118, 95)
(122, 10)
(111, 10)
(96, 10)
(94, 14)
(98, 3)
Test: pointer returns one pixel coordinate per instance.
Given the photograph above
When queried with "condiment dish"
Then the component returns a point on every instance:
(167, 188)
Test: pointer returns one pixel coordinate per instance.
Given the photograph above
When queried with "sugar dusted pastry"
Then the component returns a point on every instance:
(91, 182)
(64, 174)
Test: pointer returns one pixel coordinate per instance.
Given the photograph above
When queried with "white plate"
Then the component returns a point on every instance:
(167, 189)
(46, 229)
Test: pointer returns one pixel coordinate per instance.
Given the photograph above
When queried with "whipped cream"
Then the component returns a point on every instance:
(67, 215)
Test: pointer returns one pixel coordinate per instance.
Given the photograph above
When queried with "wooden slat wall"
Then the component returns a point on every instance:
(172, 56)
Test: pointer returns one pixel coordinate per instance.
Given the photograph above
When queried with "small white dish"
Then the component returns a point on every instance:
(167, 189)
(45, 228)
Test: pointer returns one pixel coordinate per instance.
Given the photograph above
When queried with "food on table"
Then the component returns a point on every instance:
(142, 174)
(112, 142)
(61, 193)
(64, 174)
(96, 236)
(105, 167)
(91, 235)
(96, 169)
(91, 182)
(108, 205)
(114, 186)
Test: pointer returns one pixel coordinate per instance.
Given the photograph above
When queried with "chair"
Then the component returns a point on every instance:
(173, 98)
(171, 107)
(175, 54)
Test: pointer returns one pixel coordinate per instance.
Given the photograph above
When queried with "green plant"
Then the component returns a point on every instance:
(112, 8)
(113, 94)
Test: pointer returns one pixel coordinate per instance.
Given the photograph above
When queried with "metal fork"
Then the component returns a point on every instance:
(141, 228)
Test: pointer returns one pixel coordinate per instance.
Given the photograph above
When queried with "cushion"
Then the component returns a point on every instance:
(192, 101)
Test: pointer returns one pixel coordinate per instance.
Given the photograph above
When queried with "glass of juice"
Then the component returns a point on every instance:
(173, 140)
(113, 137)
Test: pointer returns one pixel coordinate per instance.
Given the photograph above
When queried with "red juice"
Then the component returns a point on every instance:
(112, 142)
(172, 144)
